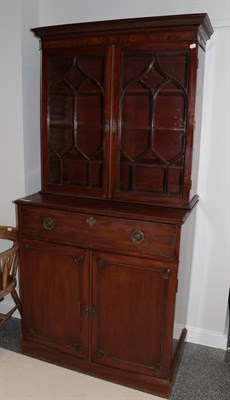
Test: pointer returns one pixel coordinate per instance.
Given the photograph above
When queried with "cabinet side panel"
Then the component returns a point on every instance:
(184, 274)
(197, 123)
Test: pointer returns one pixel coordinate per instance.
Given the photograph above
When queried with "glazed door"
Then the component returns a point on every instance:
(76, 92)
(55, 297)
(131, 301)
(118, 122)
(155, 125)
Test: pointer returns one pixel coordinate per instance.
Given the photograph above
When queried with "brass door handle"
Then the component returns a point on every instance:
(107, 126)
(86, 311)
(114, 126)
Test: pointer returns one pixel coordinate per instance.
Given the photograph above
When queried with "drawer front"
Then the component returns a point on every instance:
(99, 232)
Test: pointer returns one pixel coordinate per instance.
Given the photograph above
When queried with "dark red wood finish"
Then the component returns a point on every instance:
(107, 300)
(57, 303)
(102, 243)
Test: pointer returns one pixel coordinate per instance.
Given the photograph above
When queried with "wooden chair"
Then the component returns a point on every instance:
(8, 271)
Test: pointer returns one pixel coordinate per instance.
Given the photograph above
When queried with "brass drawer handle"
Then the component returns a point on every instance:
(137, 236)
(91, 221)
(48, 223)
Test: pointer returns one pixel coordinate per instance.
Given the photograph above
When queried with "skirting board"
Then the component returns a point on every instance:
(203, 337)
(194, 335)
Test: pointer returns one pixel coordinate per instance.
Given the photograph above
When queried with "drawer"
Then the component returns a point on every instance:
(99, 232)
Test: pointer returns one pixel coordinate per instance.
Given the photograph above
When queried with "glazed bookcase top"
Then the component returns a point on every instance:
(121, 108)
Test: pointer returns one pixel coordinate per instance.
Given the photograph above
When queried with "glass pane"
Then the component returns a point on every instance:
(61, 104)
(175, 144)
(75, 171)
(175, 178)
(134, 143)
(153, 108)
(135, 109)
(170, 111)
(175, 66)
(149, 179)
(75, 120)
(60, 139)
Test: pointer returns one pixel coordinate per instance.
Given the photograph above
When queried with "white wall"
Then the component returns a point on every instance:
(20, 91)
(31, 96)
(210, 276)
(54, 12)
(19, 109)
(12, 176)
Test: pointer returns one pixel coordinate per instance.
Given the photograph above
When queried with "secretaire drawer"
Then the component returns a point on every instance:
(99, 232)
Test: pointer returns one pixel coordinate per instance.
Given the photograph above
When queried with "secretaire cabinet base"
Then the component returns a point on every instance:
(99, 284)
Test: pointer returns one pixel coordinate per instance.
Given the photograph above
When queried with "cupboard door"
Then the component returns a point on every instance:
(132, 313)
(55, 297)
(153, 143)
(75, 92)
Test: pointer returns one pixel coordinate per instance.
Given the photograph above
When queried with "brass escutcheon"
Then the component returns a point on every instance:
(91, 221)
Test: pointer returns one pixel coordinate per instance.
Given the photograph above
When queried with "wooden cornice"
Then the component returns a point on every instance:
(194, 22)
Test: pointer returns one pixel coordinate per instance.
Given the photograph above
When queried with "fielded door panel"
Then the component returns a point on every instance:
(131, 301)
(154, 109)
(76, 91)
(56, 297)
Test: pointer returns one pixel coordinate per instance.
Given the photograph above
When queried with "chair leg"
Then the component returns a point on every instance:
(17, 301)
(7, 316)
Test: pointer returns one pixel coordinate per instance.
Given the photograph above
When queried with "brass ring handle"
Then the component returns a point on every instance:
(137, 236)
(91, 221)
(48, 223)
